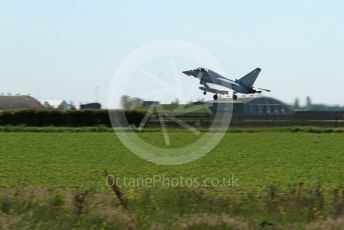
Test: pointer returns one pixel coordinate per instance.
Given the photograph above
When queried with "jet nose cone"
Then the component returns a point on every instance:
(188, 72)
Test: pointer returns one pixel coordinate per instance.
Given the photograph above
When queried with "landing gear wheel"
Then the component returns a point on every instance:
(204, 93)
(215, 97)
(235, 97)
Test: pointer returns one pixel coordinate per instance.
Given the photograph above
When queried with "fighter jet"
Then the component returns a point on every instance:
(243, 85)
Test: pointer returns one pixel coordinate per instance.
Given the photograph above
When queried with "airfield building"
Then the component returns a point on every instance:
(19, 102)
(149, 103)
(94, 105)
(251, 105)
(56, 104)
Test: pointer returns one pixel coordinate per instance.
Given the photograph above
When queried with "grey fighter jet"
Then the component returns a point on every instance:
(243, 85)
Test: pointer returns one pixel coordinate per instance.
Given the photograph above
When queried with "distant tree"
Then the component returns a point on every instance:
(124, 101)
(130, 102)
(72, 106)
(175, 102)
(134, 102)
(308, 101)
(297, 103)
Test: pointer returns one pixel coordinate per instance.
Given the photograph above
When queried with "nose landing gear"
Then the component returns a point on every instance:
(204, 93)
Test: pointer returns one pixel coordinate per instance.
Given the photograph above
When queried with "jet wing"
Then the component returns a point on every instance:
(214, 74)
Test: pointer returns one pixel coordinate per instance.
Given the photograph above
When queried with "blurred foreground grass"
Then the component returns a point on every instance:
(286, 179)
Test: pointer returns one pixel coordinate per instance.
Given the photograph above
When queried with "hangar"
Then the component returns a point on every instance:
(19, 102)
(251, 105)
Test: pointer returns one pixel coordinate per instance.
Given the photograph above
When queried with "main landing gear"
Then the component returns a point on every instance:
(235, 97)
(215, 95)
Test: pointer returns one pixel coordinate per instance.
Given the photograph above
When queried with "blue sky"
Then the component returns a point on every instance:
(64, 49)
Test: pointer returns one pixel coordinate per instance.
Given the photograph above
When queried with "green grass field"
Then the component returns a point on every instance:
(256, 159)
(271, 167)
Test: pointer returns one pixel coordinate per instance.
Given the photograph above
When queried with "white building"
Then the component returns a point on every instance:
(56, 104)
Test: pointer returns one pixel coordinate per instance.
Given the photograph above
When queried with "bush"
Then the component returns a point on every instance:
(57, 200)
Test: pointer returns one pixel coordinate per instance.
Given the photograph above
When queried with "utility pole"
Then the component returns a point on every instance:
(96, 93)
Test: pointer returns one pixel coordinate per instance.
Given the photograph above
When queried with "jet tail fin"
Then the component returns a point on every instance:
(249, 79)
